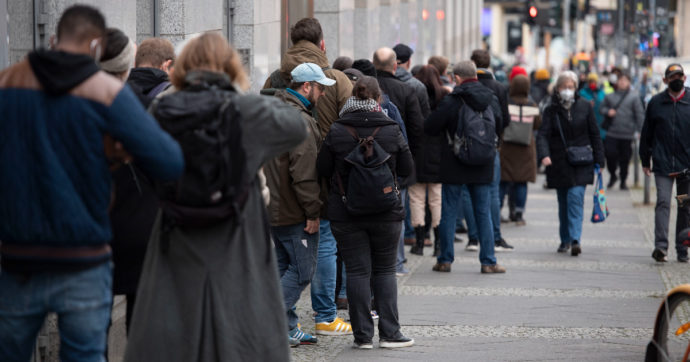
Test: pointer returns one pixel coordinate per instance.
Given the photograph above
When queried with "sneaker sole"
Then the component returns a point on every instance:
(396, 344)
(502, 249)
(332, 333)
(363, 346)
(472, 248)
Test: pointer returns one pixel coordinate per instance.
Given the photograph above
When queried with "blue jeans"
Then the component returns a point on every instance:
(399, 266)
(517, 191)
(407, 227)
(481, 204)
(296, 255)
(495, 200)
(323, 283)
(571, 202)
(81, 300)
(472, 232)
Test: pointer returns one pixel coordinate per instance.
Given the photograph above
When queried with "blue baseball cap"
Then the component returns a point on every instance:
(310, 72)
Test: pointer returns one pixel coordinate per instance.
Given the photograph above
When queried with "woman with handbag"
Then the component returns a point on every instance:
(519, 148)
(569, 145)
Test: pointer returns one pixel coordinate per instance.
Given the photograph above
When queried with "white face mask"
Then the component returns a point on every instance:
(613, 79)
(567, 95)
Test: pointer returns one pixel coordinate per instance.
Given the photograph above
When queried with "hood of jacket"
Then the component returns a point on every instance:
(59, 72)
(483, 73)
(203, 93)
(402, 74)
(146, 78)
(291, 99)
(477, 96)
(366, 119)
(303, 52)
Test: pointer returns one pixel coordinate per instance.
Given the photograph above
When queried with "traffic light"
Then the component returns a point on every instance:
(531, 12)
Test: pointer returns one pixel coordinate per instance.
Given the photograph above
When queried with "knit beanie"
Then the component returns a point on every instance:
(517, 70)
(542, 74)
(365, 66)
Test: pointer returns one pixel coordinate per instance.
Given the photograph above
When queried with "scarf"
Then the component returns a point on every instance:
(354, 104)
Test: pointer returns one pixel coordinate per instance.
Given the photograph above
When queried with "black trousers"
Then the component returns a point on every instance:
(369, 250)
(618, 155)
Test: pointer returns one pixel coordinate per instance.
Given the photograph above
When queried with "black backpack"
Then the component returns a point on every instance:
(474, 141)
(214, 186)
(372, 187)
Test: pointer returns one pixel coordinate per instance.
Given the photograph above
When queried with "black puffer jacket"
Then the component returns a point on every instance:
(405, 98)
(339, 143)
(665, 137)
(444, 121)
(579, 129)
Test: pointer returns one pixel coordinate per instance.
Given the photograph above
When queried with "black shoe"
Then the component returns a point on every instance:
(624, 187)
(472, 245)
(418, 247)
(437, 242)
(659, 255)
(461, 230)
(563, 248)
(575, 249)
(502, 245)
(682, 258)
(519, 221)
(402, 341)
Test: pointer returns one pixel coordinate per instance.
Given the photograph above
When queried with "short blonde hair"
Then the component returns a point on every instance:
(211, 52)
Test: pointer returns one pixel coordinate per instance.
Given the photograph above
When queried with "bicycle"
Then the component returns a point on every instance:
(671, 339)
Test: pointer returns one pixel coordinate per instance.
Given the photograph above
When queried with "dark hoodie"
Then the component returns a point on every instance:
(487, 79)
(144, 80)
(444, 121)
(59, 72)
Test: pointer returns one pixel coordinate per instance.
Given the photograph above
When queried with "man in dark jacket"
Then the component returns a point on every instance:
(482, 59)
(295, 206)
(665, 139)
(403, 53)
(402, 95)
(154, 60)
(308, 46)
(135, 205)
(57, 107)
(444, 120)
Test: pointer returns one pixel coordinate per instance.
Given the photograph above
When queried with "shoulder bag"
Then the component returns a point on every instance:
(577, 155)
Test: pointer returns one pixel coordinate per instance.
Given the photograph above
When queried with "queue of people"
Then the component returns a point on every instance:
(219, 207)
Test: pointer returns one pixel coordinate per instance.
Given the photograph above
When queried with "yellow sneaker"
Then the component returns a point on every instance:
(336, 328)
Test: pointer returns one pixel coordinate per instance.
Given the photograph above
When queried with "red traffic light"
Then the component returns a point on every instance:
(533, 11)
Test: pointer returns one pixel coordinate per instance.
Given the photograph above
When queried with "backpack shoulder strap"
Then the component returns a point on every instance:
(158, 89)
(352, 131)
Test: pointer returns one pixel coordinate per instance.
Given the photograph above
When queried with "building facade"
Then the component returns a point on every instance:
(259, 29)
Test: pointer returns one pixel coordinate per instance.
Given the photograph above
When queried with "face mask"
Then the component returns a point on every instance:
(567, 95)
(613, 79)
(592, 86)
(676, 85)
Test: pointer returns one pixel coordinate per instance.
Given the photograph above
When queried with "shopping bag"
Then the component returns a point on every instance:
(601, 210)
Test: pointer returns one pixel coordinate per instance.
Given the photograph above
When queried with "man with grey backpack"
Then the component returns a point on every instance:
(470, 118)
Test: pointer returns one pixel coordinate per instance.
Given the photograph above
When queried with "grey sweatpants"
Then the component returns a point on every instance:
(664, 192)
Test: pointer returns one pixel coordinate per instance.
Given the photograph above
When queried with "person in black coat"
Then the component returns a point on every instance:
(402, 95)
(665, 145)
(444, 121)
(575, 118)
(368, 244)
(155, 57)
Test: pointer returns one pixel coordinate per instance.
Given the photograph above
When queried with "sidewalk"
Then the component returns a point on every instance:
(599, 306)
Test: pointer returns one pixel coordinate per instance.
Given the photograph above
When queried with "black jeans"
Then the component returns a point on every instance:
(369, 250)
(618, 154)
